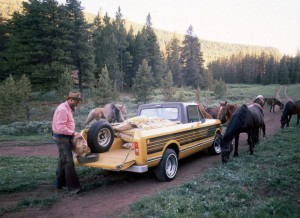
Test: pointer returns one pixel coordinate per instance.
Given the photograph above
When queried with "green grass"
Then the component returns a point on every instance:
(265, 184)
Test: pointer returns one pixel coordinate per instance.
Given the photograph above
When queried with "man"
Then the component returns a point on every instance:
(63, 127)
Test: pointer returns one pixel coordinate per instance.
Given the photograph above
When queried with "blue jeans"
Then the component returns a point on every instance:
(65, 171)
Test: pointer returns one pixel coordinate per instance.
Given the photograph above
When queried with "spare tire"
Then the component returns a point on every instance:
(100, 137)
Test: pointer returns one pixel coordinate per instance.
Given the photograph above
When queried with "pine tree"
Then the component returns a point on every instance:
(192, 61)
(173, 60)
(122, 45)
(103, 92)
(297, 68)
(81, 49)
(106, 49)
(65, 85)
(142, 83)
(220, 89)
(168, 87)
(37, 46)
(283, 76)
(128, 68)
(152, 55)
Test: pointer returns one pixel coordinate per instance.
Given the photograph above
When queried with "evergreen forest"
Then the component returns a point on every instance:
(53, 45)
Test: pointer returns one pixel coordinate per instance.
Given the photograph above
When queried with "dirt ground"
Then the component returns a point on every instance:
(111, 200)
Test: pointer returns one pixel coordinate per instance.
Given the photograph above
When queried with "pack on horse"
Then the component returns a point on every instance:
(273, 102)
(260, 100)
(111, 112)
(226, 111)
(248, 119)
(291, 107)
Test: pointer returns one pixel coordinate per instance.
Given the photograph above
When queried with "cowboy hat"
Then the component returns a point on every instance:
(74, 95)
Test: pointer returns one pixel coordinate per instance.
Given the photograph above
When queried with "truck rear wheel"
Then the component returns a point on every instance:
(100, 137)
(216, 145)
(167, 167)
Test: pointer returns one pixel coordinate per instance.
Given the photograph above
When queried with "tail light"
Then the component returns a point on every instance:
(136, 148)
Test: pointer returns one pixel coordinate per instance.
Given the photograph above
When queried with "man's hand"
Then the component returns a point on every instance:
(77, 135)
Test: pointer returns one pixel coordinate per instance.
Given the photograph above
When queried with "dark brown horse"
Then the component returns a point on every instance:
(248, 119)
(273, 102)
(260, 100)
(226, 111)
(291, 107)
(213, 111)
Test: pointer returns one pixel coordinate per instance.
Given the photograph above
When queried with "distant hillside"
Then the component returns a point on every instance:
(211, 50)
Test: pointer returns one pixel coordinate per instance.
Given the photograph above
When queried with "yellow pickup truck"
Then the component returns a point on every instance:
(157, 148)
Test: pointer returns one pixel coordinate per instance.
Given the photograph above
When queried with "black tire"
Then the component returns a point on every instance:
(167, 168)
(100, 137)
(215, 148)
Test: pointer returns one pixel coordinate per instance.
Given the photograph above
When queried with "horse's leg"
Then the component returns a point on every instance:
(271, 108)
(288, 120)
(89, 118)
(236, 142)
(263, 127)
(298, 118)
(250, 142)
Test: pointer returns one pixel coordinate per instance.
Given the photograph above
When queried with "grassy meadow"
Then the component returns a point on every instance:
(263, 185)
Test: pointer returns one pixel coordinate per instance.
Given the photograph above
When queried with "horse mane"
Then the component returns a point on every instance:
(202, 109)
(237, 118)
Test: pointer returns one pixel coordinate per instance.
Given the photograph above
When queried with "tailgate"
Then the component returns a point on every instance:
(119, 159)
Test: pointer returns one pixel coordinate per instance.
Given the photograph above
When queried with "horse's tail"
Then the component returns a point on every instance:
(90, 117)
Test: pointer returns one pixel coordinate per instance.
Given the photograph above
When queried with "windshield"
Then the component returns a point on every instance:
(164, 113)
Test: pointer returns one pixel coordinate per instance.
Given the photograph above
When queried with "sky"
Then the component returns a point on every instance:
(274, 23)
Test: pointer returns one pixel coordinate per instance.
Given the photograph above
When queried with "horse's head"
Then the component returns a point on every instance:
(222, 112)
(283, 121)
(281, 106)
(226, 147)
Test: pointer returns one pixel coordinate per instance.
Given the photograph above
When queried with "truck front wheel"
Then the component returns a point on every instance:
(167, 167)
(100, 137)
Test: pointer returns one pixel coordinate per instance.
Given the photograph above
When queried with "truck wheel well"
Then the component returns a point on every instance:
(174, 147)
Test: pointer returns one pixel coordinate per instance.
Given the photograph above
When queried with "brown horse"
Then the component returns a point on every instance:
(259, 100)
(202, 109)
(272, 102)
(213, 111)
(290, 109)
(248, 119)
(111, 112)
(226, 111)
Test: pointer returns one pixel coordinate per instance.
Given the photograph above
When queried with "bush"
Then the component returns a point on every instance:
(26, 128)
(220, 89)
